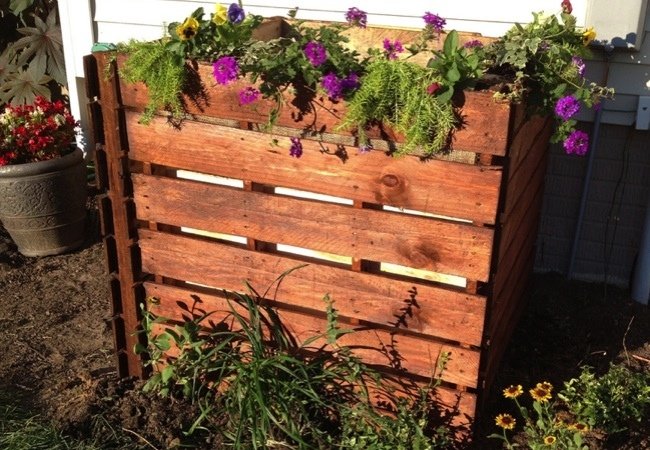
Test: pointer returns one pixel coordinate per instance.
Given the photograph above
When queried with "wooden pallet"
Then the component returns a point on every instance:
(422, 257)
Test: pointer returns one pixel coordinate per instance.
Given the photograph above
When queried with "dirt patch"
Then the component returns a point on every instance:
(57, 354)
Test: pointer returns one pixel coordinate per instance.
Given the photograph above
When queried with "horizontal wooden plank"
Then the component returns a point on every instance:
(377, 235)
(452, 189)
(484, 121)
(429, 310)
(375, 346)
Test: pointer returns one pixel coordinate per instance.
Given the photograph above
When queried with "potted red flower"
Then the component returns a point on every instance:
(42, 178)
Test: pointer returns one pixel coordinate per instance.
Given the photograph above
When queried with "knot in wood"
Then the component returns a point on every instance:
(390, 180)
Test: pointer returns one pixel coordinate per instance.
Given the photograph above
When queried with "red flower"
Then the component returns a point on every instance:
(38, 132)
(566, 7)
(433, 88)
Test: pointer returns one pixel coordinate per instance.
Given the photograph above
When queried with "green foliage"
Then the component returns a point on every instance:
(163, 73)
(261, 389)
(31, 51)
(394, 93)
(612, 402)
(538, 60)
(457, 67)
(281, 62)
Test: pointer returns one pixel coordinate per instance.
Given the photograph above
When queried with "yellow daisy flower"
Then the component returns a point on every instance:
(220, 15)
(588, 35)
(545, 385)
(505, 421)
(550, 440)
(581, 427)
(513, 391)
(188, 29)
(540, 394)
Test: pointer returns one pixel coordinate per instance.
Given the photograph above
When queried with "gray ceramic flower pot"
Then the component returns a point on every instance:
(43, 204)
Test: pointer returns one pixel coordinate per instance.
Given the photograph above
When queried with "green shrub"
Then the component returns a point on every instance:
(612, 402)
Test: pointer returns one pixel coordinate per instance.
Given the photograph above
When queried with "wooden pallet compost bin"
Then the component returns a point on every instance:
(421, 257)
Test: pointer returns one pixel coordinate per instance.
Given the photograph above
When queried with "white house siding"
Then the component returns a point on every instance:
(620, 181)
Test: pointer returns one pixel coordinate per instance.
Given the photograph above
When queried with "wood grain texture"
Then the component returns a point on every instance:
(431, 310)
(440, 187)
(377, 235)
(375, 346)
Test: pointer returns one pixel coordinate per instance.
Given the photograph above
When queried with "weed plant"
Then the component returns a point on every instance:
(259, 388)
(613, 402)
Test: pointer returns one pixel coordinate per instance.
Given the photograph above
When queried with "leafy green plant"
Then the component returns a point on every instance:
(271, 391)
(31, 53)
(159, 69)
(415, 101)
(544, 427)
(612, 402)
(425, 121)
(543, 64)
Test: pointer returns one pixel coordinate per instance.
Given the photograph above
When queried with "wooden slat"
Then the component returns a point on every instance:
(418, 242)
(129, 364)
(440, 187)
(436, 311)
(375, 346)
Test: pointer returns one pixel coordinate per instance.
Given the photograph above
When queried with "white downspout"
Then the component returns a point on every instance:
(78, 37)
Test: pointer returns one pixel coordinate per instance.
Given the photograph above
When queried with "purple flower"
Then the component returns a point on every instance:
(236, 14)
(473, 44)
(225, 69)
(580, 65)
(315, 53)
(392, 48)
(332, 85)
(296, 148)
(365, 148)
(336, 87)
(248, 95)
(351, 82)
(567, 107)
(434, 21)
(355, 16)
(577, 143)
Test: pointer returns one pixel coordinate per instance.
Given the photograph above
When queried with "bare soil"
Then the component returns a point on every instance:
(57, 357)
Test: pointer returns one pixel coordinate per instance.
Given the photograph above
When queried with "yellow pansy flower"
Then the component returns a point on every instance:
(188, 29)
(588, 35)
(220, 15)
